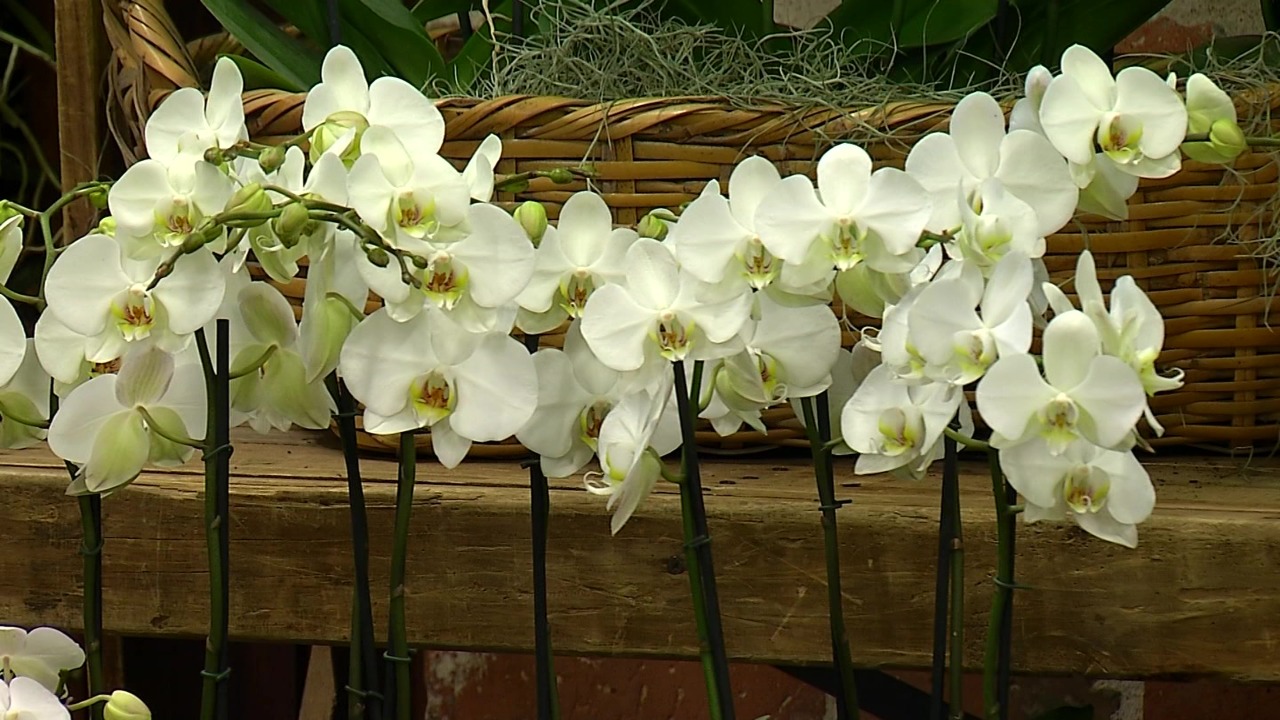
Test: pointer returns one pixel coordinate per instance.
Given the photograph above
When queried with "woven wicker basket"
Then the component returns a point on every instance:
(1192, 240)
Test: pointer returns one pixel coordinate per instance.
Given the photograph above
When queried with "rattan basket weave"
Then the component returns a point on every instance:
(1193, 240)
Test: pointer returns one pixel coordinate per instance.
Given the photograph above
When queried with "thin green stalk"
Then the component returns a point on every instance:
(399, 641)
(702, 581)
(847, 699)
(955, 668)
(217, 449)
(91, 552)
(996, 655)
(364, 696)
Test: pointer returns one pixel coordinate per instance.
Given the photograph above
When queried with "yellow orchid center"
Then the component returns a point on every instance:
(1058, 420)
(433, 397)
(444, 281)
(975, 350)
(173, 227)
(1085, 490)
(759, 266)
(134, 313)
(672, 336)
(846, 244)
(899, 432)
(1118, 136)
(416, 216)
(575, 289)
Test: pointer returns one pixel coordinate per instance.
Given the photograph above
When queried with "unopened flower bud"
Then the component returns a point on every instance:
(125, 706)
(271, 159)
(532, 216)
(378, 256)
(1227, 138)
(652, 226)
(214, 156)
(98, 197)
(419, 262)
(107, 226)
(291, 224)
(560, 176)
(193, 242)
(249, 199)
(340, 132)
(7, 211)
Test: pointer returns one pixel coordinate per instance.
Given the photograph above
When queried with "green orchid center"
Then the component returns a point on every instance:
(174, 226)
(134, 313)
(1118, 136)
(590, 421)
(975, 350)
(1085, 489)
(759, 266)
(899, 431)
(672, 336)
(1058, 420)
(575, 289)
(416, 216)
(433, 398)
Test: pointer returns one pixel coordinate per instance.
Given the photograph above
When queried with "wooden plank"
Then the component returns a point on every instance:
(1201, 595)
(80, 41)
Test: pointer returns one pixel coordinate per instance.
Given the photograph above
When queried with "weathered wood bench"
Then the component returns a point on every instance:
(1199, 597)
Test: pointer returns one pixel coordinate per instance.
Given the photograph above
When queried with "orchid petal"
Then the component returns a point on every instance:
(616, 328)
(750, 183)
(450, 448)
(192, 293)
(382, 357)
(144, 377)
(1011, 393)
(977, 126)
(1110, 397)
(497, 390)
(844, 172)
(85, 281)
(791, 218)
(1071, 343)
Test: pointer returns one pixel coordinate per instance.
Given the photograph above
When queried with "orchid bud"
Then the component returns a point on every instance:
(124, 705)
(378, 256)
(107, 226)
(271, 159)
(652, 226)
(7, 211)
(98, 197)
(560, 176)
(249, 199)
(291, 224)
(532, 216)
(420, 262)
(1226, 137)
(1037, 82)
(341, 132)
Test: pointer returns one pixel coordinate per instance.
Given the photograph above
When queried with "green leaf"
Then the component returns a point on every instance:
(258, 76)
(283, 54)
(401, 40)
(309, 16)
(922, 23)
(424, 11)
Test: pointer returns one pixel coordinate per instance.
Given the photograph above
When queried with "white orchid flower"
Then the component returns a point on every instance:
(893, 425)
(715, 237)
(476, 279)
(157, 206)
(95, 292)
(851, 368)
(335, 287)
(1134, 119)
(478, 174)
(279, 393)
(581, 254)
(25, 699)
(407, 198)
(959, 327)
(1083, 393)
(630, 467)
(113, 425)
(1211, 112)
(661, 310)
(1025, 114)
(39, 655)
(24, 399)
(998, 223)
(853, 216)
(576, 392)
(186, 123)
(1107, 493)
(956, 165)
(13, 341)
(340, 109)
(430, 372)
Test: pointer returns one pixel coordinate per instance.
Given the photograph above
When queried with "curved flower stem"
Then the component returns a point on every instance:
(401, 708)
(160, 430)
(217, 453)
(19, 297)
(702, 580)
(256, 364)
(817, 426)
(539, 515)
(9, 414)
(91, 552)
(91, 702)
(996, 659)
(364, 699)
(955, 668)
(46, 225)
(967, 441)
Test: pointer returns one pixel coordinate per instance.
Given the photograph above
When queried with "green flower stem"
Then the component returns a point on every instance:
(363, 676)
(399, 655)
(955, 668)
(19, 297)
(356, 312)
(92, 702)
(7, 413)
(995, 662)
(967, 441)
(548, 701)
(46, 226)
(847, 699)
(702, 581)
(348, 219)
(91, 552)
(256, 364)
(1251, 140)
(217, 450)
